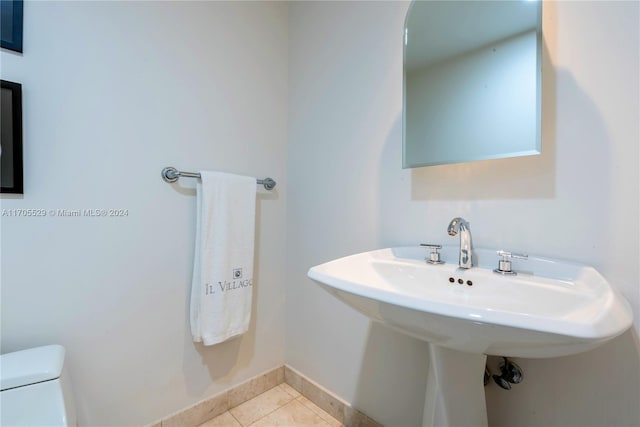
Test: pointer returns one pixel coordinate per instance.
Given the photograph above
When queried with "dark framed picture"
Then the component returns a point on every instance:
(11, 137)
(11, 24)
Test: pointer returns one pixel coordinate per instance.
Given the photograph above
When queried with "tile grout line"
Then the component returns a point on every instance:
(233, 416)
(285, 374)
(322, 416)
(321, 397)
(295, 399)
(285, 390)
(266, 415)
(181, 417)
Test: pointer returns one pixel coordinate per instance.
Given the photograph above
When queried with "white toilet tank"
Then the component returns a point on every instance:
(36, 390)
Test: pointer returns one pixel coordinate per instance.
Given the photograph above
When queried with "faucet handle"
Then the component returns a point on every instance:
(434, 256)
(504, 265)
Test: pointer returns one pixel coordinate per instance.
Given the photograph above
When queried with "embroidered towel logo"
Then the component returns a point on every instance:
(236, 283)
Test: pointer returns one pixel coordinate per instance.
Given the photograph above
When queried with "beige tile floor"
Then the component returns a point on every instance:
(282, 406)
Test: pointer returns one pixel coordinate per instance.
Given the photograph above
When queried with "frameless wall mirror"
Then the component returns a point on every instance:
(472, 81)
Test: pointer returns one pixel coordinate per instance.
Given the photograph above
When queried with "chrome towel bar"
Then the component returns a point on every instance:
(171, 174)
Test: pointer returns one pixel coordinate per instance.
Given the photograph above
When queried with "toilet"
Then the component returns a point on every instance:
(36, 388)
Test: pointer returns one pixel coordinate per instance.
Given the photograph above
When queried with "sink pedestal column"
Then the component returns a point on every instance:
(455, 389)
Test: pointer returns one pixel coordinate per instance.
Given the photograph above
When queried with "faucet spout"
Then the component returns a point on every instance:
(460, 225)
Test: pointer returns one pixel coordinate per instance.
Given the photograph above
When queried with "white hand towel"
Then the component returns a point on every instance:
(222, 283)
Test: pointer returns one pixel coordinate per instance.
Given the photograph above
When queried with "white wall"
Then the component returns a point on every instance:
(579, 200)
(112, 93)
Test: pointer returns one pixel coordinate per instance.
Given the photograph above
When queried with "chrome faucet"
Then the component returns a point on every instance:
(459, 224)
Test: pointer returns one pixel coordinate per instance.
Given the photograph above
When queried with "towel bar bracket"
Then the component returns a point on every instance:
(171, 174)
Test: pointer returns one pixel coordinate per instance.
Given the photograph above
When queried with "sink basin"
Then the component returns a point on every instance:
(550, 308)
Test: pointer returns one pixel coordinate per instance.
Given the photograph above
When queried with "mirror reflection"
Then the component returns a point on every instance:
(472, 72)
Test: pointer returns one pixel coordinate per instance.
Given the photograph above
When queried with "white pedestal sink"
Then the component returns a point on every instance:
(551, 308)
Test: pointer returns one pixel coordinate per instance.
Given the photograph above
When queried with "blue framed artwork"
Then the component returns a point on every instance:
(11, 137)
(11, 24)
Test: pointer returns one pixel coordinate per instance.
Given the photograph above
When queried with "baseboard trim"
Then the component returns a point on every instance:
(210, 408)
(326, 400)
